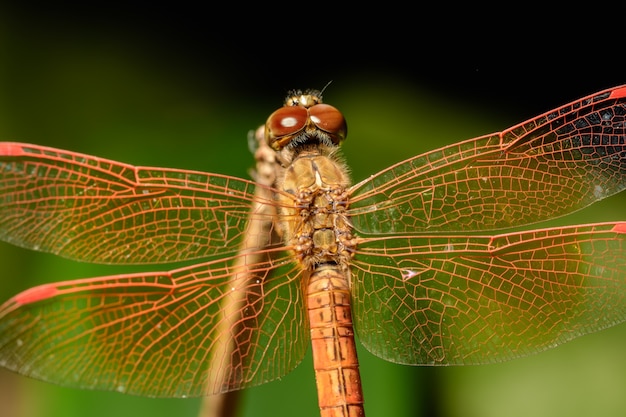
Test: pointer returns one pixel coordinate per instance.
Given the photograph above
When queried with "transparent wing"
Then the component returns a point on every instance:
(544, 168)
(475, 300)
(206, 329)
(92, 209)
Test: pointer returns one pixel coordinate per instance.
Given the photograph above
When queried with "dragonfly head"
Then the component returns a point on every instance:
(305, 120)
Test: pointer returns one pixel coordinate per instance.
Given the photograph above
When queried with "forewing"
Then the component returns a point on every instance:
(546, 167)
(92, 209)
(474, 300)
(200, 330)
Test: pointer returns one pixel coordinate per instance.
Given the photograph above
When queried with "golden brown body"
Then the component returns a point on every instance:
(315, 224)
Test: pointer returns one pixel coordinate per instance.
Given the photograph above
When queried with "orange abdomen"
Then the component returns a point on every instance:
(334, 350)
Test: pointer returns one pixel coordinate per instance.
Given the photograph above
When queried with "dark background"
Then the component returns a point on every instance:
(180, 86)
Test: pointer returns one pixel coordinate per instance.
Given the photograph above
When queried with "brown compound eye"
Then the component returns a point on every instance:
(330, 120)
(285, 121)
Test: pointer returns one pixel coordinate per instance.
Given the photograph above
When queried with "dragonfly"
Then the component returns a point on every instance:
(423, 260)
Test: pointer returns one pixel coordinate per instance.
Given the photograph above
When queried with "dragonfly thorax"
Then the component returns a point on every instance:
(315, 218)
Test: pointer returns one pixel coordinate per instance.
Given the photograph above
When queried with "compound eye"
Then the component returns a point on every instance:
(286, 121)
(330, 120)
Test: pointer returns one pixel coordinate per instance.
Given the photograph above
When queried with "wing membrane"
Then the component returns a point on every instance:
(92, 209)
(474, 300)
(544, 168)
(195, 331)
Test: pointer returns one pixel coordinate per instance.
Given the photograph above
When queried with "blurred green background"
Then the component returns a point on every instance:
(170, 87)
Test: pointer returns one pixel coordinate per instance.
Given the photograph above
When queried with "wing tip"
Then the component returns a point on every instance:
(11, 149)
(619, 92)
(619, 227)
(32, 295)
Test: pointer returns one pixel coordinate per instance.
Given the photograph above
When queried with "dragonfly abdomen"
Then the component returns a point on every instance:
(334, 347)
